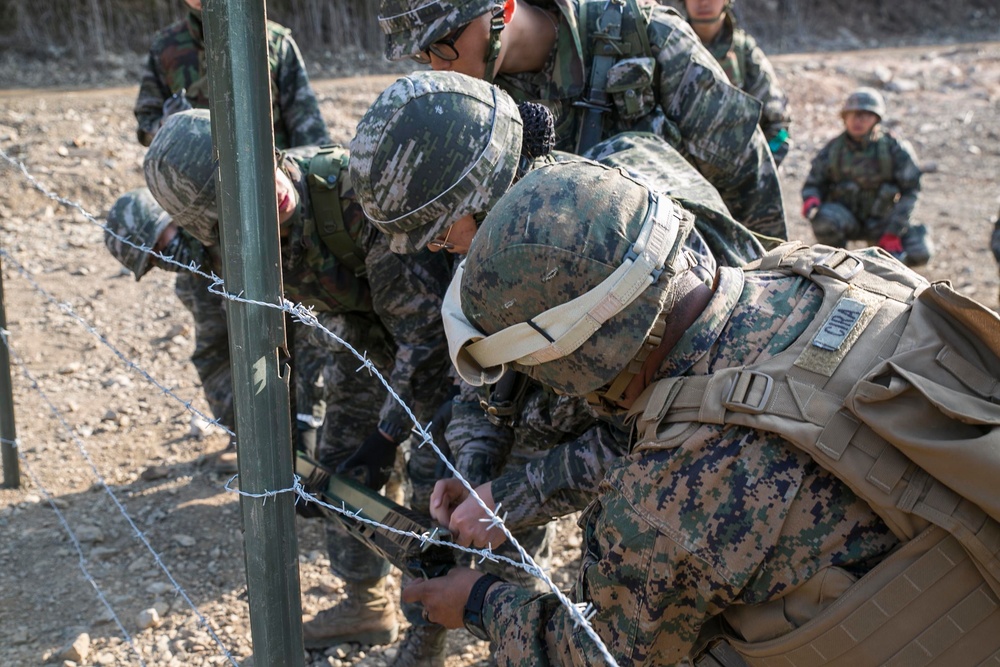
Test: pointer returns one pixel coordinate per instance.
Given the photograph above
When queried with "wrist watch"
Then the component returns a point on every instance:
(472, 617)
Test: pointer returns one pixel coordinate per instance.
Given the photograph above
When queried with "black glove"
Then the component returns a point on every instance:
(372, 462)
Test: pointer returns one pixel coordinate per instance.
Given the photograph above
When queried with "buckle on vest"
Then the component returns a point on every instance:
(747, 394)
(835, 265)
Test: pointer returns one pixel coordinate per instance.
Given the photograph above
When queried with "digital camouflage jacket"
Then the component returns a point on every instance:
(680, 93)
(177, 60)
(732, 516)
(749, 70)
(876, 178)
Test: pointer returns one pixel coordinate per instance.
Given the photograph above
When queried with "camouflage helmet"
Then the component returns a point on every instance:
(411, 26)
(865, 99)
(138, 218)
(180, 169)
(570, 273)
(434, 147)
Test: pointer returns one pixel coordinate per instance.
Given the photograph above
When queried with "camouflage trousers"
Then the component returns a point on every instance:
(353, 400)
(835, 225)
(211, 344)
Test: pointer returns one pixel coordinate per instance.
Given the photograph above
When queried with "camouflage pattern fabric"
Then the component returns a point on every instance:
(686, 98)
(732, 516)
(862, 186)
(410, 27)
(177, 61)
(211, 343)
(137, 217)
(748, 68)
(432, 148)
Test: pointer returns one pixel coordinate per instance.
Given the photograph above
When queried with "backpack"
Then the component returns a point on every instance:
(895, 389)
(326, 169)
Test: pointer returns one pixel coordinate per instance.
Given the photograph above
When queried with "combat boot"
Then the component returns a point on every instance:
(423, 646)
(917, 245)
(365, 616)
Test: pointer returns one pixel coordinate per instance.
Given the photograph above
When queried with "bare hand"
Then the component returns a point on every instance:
(444, 597)
(447, 495)
(470, 524)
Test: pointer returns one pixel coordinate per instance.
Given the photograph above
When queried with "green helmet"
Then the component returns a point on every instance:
(180, 169)
(411, 26)
(865, 99)
(570, 273)
(434, 147)
(137, 217)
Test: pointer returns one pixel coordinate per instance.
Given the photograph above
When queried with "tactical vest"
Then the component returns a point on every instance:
(326, 169)
(894, 389)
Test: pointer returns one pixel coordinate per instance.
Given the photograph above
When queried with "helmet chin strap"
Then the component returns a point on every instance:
(496, 27)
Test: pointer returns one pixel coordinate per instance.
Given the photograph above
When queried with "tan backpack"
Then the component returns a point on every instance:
(894, 388)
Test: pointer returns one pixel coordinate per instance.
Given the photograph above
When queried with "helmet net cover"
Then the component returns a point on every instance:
(558, 234)
(411, 26)
(865, 99)
(434, 147)
(137, 217)
(180, 169)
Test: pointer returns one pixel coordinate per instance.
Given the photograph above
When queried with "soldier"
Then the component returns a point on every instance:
(175, 79)
(708, 515)
(746, 66)
(664, 81)
(386, 304)
(137, 217)
(863, 185)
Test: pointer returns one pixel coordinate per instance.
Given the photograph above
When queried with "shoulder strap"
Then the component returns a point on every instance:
(324, 189)
(619, 33)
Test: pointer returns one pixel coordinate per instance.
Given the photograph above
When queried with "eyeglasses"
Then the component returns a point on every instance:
(444, 48)
(439, 244)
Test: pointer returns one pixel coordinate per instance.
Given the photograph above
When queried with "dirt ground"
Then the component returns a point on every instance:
(87, 424)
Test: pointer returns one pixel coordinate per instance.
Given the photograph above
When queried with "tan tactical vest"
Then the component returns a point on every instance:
(893, 388)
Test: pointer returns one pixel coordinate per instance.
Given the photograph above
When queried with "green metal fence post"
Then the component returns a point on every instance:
(240, 103)
(8, 432)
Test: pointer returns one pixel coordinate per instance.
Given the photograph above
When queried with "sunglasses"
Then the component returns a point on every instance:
(444, 48)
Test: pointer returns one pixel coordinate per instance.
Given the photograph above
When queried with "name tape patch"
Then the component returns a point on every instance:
(839, 324)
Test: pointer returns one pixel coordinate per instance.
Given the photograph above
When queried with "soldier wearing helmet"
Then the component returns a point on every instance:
(647, 72)
(137, 218)
(746, 65)
(700, 520)
(864, 184)
(175, 79)
(383, 303)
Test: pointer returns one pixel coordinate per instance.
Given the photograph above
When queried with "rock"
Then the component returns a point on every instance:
(154, 472)
(902, 86)
(77, 650)
(69, 368)
(974, 149)
(929, 167)
(62, 151)
(105, 659)
(89, 534)
(110, 416)
(185, 540)
(882, 74)
(147, 618)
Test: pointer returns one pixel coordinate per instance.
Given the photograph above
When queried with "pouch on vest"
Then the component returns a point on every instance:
(326, 171)
(630, 83)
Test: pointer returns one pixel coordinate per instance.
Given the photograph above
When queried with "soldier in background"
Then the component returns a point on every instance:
(136, 216)
(175, 79)
(746, 66)
(863, 185)
(662, 81)
(385, 304)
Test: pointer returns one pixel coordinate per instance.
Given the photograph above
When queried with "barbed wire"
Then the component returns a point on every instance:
(81, 559)
(15, 357)
(305, 315)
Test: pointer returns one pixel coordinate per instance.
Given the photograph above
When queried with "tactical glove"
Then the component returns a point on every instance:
(372, 462)
(893, 245)
(809, 207)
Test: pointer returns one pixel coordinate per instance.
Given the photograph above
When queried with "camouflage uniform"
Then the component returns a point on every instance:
(749, 70)
(137, 217)
(177, 60)
(392, 314)
(730, 515)
(680, 93)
